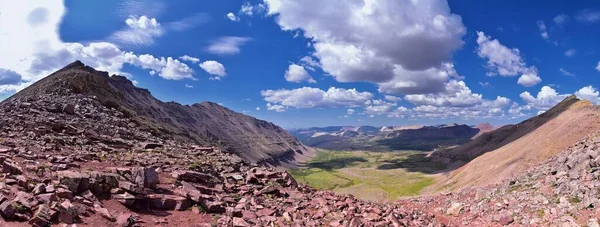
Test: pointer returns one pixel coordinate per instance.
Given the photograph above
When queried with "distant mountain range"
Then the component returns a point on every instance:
(407, 137)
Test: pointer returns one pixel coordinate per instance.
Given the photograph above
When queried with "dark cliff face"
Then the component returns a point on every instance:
(204, 123)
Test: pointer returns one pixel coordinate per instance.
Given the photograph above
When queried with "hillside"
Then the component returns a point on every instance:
(424, 138)
(508, 151)
(203, 123)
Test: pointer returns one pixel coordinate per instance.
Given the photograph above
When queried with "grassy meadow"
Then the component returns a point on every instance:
(375, 176)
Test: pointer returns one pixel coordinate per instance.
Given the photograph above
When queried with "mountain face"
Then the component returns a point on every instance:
(204, 123)
(385, 138)
(510, 150)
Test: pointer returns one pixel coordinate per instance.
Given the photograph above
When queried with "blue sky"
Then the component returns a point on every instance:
(319, 63)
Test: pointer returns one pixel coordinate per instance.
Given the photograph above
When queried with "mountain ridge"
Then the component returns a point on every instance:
(204, 123)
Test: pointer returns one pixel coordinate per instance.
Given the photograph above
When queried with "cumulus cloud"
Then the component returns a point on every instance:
(309, 63)
(189, 59)
(456, 94)
(232, 17)
(598, 66)
(545, 99)
(32, 47)
(308, 97)
(189, 86)
(565, 72)
(9, 77)
(353, 42)
(250, 10)
(432, 80)
(589, 93)
(505, 61)
(485, 109)
(350, 111)
(392, 98)
(570, 52)
(214, 68)
(378, 107)
(297, 73)
(228, 45)
(257, 108)
(140, 31)
(275, 107)
(529, 79)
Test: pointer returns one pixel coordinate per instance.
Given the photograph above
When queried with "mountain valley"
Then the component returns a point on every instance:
(82, 147)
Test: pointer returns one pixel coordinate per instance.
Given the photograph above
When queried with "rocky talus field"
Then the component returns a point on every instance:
(70, 158)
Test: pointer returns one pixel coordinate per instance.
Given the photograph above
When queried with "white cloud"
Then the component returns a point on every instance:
(247, 9)
(214, 68)
(297, 74)
(228, 45)
(589, 93)
(257, 108)
(598, 66)
(565, 72)
(432, 80)
(561, 20)
(9, 77)
(32, 48)
(392, 98)
(529, 79)
(308, 97)
(353, 42)
(378, 107)
(456, 94)
(505, 61)
(189, 59)
(141, 31)
(588, 16)
(501, 59)
(232, 17)
(309, 63)
(570, 52)
(350, 111)
(275, 107)
(486, 109)
(543, 30)
(189, 86)
(545, 99)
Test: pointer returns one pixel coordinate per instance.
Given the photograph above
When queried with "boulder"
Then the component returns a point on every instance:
(104, 212)
(67, 212)
(42, 217)
(68, 108)
(169, 202)
(145, 177)
(7, 209)
(102, 183)
(11, 168)
(455, 209)
(195, 177)
(76, 182)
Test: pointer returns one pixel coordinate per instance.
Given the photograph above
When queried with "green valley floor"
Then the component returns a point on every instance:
(374, 176)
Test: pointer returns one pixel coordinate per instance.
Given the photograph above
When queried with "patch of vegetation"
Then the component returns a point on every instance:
(574, 200)
(369, 175)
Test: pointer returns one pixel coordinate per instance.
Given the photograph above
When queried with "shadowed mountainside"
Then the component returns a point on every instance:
(203, 123)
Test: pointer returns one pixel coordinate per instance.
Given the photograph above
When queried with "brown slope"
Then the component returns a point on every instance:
(204, 123)
(512, 149)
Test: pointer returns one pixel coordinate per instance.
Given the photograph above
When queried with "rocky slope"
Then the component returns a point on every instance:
(204, 123)
(69, 158)
(510, 150)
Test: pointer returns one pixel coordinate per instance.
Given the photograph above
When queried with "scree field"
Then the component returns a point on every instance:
(375, 176)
